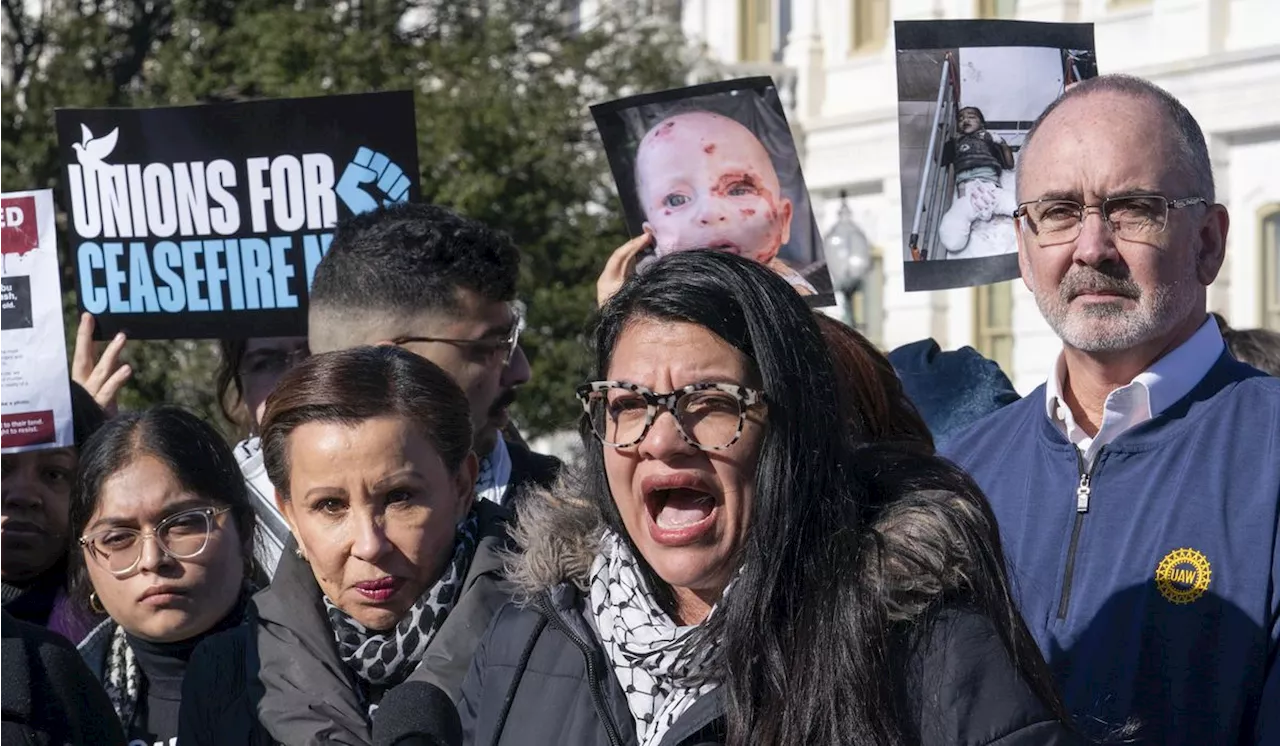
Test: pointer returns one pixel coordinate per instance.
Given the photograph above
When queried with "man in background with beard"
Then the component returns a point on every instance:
(442, 286)
(1137, 491)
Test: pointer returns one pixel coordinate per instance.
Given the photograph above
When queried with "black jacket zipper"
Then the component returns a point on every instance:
(593, 673)
(1083, 491)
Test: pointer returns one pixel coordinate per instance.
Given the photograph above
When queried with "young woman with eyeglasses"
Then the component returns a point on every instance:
(741, 562)
(163, 531)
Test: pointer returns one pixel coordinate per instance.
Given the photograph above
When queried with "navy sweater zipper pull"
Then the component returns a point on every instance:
(1082, 493)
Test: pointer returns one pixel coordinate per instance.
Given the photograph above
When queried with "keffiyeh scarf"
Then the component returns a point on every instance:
(123, 676)
(387, 658)
(658, 672)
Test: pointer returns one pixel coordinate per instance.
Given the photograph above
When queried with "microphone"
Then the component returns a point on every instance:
(416, 713)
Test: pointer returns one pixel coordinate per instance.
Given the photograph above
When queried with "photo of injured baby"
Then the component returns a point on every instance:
(983, 166)
(714, 167)
(963, 112)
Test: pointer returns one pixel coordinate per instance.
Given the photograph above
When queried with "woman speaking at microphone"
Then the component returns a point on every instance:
(738, 565)
(393, 571)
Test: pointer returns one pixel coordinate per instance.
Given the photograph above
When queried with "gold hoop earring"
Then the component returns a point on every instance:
(95, 605)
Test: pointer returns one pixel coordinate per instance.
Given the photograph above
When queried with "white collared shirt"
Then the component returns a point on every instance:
(495, 473)
(1150, 393)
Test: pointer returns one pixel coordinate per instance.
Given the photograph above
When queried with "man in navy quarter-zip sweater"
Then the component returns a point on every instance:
(1138, 490)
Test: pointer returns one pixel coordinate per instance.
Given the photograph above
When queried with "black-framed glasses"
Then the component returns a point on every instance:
(183, 535)
(505, 346)
(709, 416)
(1132, 217)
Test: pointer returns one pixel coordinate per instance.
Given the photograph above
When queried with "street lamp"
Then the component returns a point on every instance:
(848, 257)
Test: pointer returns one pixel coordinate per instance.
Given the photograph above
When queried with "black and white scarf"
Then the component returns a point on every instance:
(387, 658)
(657, 671)
(122, 677)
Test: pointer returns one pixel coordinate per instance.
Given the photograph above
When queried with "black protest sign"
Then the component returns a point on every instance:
(209, 221)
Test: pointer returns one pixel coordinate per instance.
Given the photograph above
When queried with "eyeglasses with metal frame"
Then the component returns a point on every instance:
(1130, 216)
(182, 536)
(506, 345)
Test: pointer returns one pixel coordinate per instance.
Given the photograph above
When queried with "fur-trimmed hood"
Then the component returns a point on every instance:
(558, 535)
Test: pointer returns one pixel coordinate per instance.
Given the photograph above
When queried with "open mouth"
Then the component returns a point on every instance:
(681, 510)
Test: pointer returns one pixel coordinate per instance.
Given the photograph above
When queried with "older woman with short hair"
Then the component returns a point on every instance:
(393, 571)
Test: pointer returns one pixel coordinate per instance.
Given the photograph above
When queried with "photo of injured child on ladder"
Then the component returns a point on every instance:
(968, 92)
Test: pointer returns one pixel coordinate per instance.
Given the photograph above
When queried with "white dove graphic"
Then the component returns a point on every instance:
(91, 150)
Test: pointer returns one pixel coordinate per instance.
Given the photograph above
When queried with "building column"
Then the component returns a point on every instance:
(804, 54)
(1219, 293)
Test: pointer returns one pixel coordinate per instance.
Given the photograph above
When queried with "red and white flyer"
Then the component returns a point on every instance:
(35, 393)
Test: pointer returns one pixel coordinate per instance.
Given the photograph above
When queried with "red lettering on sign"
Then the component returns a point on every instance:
(19, 230)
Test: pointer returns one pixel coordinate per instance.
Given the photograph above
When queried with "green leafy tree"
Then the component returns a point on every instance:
(504, 135)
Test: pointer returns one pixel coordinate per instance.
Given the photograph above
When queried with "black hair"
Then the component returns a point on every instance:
(869, 390)
(1257, 347)
(408, 258)
(975, 110)
(189, 447)
(227, 382)
(852, 548)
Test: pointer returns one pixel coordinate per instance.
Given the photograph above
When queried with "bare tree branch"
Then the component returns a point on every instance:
(24, 42)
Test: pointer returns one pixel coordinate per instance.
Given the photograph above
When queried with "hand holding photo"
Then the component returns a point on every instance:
(715, 167)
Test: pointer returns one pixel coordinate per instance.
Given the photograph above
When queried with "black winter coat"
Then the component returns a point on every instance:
(278, 678)
(530, 472)
(49, 697)
(540, 675)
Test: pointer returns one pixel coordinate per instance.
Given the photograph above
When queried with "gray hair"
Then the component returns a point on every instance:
(1189, 142)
